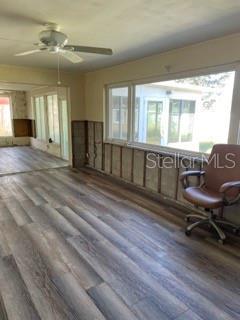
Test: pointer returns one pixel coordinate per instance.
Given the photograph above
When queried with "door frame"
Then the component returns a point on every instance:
(46, 91)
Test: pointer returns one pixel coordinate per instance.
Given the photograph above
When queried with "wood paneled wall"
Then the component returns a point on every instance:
(24, 128)
(130, 164)
(133, 165)
(79, 143)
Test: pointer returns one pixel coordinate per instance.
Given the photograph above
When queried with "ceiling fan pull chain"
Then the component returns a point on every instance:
(58, 70)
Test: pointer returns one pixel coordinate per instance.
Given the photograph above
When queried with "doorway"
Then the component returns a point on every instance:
(52, 118)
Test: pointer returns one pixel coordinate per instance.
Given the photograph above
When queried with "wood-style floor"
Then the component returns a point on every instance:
(22, 159)
(78, 246)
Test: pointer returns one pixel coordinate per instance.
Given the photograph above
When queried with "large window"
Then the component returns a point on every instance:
(40, 118)
(53, 118)
(189, 114)
(5, 117)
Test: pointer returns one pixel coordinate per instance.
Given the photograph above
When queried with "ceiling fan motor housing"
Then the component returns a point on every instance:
(53, 38)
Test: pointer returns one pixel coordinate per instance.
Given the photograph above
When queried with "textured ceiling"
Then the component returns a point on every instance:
(133, 29)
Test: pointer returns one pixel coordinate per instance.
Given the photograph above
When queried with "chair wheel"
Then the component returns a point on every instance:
(187, 233)
(221, 241)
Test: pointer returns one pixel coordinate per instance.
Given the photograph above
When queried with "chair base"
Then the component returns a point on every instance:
(211, 221)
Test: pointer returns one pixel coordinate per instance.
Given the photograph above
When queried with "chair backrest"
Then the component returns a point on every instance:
(223, 166)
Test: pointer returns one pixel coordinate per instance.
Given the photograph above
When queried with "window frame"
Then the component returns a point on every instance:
(107, 117)
(234, 125)
(180, 113)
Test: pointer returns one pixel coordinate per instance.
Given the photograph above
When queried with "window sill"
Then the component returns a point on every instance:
(121, 143)
(168, 151)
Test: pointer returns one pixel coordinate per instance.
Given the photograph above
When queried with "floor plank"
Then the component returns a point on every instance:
(24, 158)
(37, 277)
(16, 298)
(60, 257)
(111, 305)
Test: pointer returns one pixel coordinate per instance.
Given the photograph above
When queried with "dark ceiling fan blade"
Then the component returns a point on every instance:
(96, 50)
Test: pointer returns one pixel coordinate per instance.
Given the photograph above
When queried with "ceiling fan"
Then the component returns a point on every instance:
(54, 41)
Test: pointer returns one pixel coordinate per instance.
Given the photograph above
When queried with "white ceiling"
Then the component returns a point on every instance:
(132, 28)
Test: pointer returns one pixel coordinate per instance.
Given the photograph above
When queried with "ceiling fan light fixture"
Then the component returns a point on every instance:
(52, 38)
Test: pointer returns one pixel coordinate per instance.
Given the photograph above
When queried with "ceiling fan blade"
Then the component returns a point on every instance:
(97, 50)
(26, 53)
(71, 56)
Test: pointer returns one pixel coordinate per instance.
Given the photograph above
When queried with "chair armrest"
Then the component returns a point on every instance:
(226, 187)
(229, 185)
(184, 177)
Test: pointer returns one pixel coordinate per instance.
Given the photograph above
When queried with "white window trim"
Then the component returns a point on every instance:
(234, 126)
(107, 114)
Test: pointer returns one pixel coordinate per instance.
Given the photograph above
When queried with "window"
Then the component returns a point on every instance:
(189, 114)
(5, 117)
(118, 113)
(40, 118)
(181, 120)
(53, 118)
(154, 111)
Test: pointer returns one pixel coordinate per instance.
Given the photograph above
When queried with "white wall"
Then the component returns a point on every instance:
(19, 104)
(48, 77)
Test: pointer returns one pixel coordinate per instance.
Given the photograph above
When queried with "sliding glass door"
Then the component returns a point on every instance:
(64, 129)
(53, 119)
(40, 118)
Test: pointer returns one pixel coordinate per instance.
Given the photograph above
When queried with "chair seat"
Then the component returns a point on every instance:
(203, 197)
